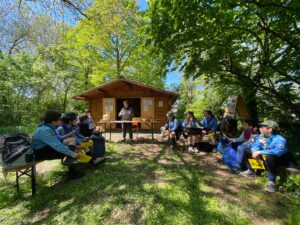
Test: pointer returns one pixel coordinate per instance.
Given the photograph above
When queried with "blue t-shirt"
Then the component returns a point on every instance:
(210, 123)
(273, 145)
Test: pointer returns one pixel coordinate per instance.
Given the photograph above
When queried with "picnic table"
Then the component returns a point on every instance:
(152, 122)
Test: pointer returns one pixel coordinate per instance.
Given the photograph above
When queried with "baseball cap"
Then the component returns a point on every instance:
(270, 123)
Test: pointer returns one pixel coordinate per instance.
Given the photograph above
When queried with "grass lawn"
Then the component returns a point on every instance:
(146, 184)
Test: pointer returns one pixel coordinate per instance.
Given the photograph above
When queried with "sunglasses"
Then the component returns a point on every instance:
(261, 126)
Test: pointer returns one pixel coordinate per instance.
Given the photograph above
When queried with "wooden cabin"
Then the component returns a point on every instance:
(147, 102)
(236, 107)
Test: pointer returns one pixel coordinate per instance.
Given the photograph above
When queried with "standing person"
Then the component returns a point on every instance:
(126, 114)
(191, 131)
(90, 120)
(173, 127)
(271, 144)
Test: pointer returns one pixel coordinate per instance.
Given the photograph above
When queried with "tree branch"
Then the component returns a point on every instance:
(69, 3)
(271, 5)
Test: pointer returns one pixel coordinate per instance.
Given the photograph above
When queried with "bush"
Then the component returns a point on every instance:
(28, 129)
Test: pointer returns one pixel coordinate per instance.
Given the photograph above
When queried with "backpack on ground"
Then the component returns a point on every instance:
(15, 150)
(229, 157)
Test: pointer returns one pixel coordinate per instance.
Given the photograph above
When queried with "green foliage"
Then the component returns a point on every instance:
(251, 46)
(199, 95)
(111, 44)
(293, 184)
(44, 61)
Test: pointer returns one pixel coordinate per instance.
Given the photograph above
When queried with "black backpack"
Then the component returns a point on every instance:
(14, 146)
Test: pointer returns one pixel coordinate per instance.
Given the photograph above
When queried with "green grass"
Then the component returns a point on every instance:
(145, 184)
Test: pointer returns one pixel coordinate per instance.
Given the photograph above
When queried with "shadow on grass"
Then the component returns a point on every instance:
(143, 184)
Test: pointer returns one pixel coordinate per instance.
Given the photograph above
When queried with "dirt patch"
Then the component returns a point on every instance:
(47, 166)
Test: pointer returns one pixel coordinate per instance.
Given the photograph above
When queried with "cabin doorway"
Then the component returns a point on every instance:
(135, 103)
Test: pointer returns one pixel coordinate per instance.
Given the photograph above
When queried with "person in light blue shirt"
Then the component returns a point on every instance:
(67, 131)
(191, 131)
(45, 144)
(172, 126)
(209, 125)
(209, 121)
(272, 145)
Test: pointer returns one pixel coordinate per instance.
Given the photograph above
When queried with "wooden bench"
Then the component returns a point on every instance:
(259, 164)
(26, 170)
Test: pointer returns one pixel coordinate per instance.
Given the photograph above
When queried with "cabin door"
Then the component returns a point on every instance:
(109, 107)
(147, 110)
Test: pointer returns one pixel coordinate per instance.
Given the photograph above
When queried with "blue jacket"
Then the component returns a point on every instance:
(193, 124)
(45, 135)
(172, 125)
(273, 145)
(64, 129)
(210, 123)
(90, 122)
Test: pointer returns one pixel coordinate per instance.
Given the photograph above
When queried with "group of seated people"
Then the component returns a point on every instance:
(59, 136)
(191, 128)
(266, 144)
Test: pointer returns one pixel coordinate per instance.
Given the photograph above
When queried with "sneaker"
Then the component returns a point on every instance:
(173, 147)
(247, 173)
(235, 170)
(98, 160)
(70, 161)
(195, 150)
(190, 149)
(271, 187)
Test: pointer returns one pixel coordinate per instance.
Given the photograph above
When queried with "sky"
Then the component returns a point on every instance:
(172, 77)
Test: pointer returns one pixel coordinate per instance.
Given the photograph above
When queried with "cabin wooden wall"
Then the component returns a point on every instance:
(132, 91)
(160, 112)
(95, 105)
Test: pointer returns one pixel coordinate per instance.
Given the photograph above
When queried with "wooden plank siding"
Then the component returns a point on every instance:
(124, 88)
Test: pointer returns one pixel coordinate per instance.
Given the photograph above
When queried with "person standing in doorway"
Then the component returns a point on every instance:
(126, 114)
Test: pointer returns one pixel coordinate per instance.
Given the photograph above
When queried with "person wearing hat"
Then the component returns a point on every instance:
(271, 144)
(172, 126)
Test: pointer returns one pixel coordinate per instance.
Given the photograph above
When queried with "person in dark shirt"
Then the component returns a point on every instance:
(126, 114)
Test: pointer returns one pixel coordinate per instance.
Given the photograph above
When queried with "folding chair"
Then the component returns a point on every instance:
(135, 123)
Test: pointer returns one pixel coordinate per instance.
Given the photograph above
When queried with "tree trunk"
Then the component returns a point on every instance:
(249, 95)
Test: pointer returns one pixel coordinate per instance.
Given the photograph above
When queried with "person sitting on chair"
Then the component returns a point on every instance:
(68, 131)
(191, 131)
(248, 131)
(271, 144)
(47, 146)
(209, 125)
(172, 126)
(83, 126)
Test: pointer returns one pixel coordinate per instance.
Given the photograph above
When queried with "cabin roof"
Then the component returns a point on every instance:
(94, 92)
